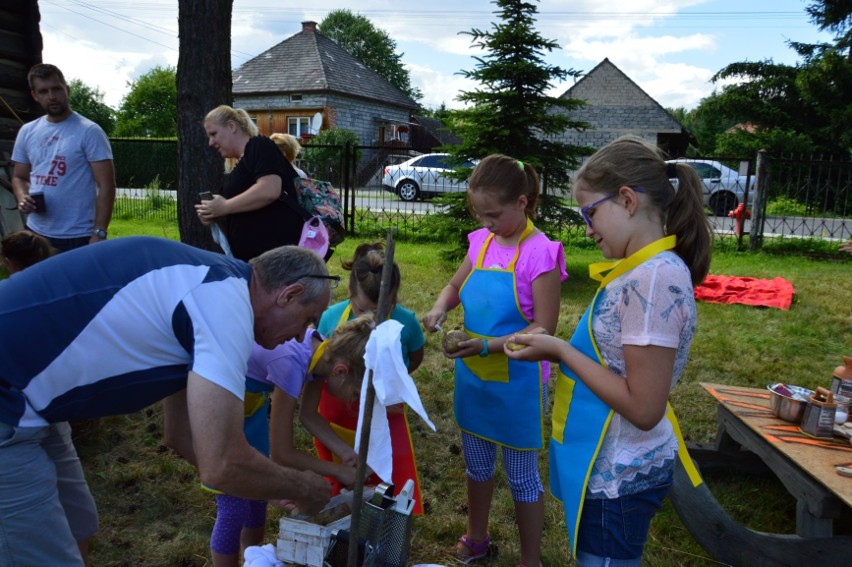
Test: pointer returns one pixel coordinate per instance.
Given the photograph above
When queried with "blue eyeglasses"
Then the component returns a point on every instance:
(590, 208)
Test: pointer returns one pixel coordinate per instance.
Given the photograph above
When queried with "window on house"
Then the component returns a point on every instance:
(295, 98)
(298, 125)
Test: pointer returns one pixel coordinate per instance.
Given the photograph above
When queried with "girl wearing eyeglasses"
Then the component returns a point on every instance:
(613, 446)
(508, 282)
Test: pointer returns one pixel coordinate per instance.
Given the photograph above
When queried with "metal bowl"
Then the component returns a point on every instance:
(788, 408)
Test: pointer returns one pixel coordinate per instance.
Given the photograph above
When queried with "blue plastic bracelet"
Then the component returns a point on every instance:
(484, 351)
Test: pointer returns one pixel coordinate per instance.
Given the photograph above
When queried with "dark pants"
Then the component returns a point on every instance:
(65, 244)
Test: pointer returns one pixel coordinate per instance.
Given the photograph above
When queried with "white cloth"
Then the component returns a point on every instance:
(393, 385)
(220, 239)
(261, 556)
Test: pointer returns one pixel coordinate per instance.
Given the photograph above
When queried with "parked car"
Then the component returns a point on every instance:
(723, 187)
(422, 176)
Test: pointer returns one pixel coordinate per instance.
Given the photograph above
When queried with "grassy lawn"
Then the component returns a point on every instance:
(153, 512)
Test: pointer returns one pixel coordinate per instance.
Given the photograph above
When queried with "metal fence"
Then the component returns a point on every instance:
(145, 162)
(805, 197)
(380, 188)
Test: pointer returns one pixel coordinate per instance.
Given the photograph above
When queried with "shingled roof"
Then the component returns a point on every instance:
(312, 62)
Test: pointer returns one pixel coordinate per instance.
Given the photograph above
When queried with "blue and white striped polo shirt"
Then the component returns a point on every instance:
(112, 327)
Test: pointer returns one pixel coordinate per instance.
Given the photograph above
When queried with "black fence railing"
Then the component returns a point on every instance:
(145, 162)
(393, 186)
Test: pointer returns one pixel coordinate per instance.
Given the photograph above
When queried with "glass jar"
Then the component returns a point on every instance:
(841, 414)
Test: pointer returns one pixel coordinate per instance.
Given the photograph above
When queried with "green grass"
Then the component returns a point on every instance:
(154, 514)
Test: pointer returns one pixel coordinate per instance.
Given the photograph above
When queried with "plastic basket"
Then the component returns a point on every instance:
(304, 543)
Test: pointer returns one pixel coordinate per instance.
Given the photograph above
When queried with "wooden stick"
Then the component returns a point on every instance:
(369, 400)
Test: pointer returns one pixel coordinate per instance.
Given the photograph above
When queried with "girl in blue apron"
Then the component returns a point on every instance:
(509, 282)
(614, 437)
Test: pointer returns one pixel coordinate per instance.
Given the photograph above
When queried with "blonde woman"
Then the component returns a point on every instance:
(257, 209)
(290, 147)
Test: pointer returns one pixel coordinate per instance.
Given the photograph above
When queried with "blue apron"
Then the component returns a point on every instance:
(496, 398)
(580, 419)
(256, 425)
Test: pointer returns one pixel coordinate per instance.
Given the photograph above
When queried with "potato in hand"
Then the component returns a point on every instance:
(450, 341)
(516, 346)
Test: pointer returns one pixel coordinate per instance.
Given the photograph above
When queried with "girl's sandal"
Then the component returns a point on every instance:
(469, 550)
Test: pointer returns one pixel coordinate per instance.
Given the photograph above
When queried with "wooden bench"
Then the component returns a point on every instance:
(750, 438)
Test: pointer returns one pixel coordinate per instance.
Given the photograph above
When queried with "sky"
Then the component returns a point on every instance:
(670, 48)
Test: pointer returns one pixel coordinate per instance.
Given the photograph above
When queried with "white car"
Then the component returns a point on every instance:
(422, 176)
(723, 187)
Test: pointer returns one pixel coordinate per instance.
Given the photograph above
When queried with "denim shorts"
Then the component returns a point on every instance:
(613, 532)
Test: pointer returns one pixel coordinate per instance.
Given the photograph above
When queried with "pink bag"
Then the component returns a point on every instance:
(315, 236)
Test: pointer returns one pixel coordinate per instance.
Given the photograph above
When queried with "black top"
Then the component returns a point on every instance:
(253, 232)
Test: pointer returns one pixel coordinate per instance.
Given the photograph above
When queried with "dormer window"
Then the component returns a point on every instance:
(295, 98)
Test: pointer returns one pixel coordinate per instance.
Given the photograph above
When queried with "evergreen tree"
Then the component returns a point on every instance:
(799, 109)
(511, 113)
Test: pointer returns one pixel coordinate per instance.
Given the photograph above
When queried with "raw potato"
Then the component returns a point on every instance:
(515, 346)
(451, 340)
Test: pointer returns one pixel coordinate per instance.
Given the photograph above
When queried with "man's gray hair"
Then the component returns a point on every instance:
(286, 265)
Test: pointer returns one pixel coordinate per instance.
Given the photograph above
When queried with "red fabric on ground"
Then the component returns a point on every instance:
(776, 292)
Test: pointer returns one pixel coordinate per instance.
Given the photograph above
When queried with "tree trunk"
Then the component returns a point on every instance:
(203, 83)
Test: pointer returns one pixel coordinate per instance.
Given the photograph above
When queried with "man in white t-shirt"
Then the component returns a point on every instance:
(110, 329)
(64, 179)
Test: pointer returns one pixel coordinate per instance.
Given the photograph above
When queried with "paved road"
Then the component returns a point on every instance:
(378, 200)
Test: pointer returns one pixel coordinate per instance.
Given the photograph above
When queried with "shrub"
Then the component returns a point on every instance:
(785, 207)
(322, 155)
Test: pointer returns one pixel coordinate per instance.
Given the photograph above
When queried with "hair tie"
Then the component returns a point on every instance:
(671, 170)
(521, 165)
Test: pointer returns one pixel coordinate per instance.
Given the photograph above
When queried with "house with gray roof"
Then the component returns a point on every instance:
(615, 106)
(309, 83)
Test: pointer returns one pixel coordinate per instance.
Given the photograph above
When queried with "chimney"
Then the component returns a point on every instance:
(309, 26)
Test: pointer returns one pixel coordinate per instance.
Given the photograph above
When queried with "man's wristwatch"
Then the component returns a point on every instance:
(100, 233)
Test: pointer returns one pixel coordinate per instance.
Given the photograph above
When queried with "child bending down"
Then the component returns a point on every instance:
(366, 268)
(612, 451)
(507, 283)
(283, 371)
(23, 248)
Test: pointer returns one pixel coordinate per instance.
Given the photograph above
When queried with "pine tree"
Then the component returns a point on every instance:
(511, 112)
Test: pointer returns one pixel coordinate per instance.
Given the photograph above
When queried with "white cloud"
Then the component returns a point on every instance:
(112, 69)
(669, 51)
(439, 87)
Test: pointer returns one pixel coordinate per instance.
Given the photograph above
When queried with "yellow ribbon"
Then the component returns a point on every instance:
(318, 354)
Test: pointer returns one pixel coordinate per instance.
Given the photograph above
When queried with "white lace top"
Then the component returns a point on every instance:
(653, 304)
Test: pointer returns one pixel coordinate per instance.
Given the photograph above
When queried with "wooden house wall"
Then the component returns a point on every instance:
(20, 49)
